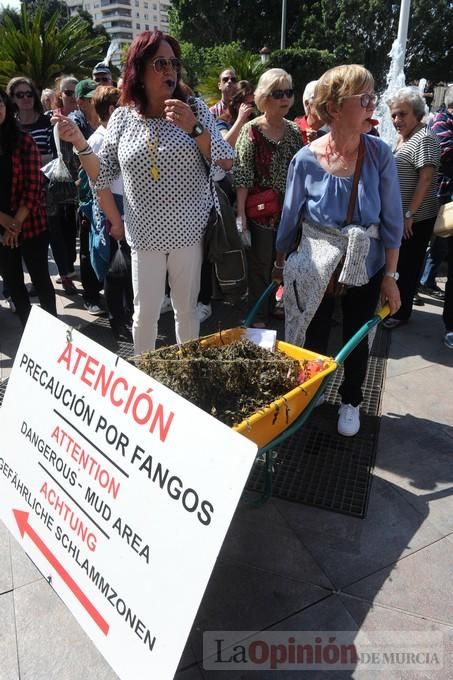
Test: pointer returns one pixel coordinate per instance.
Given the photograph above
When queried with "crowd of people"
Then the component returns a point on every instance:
(324, 205)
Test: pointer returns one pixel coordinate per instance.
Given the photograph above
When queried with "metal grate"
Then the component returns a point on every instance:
(316, 466)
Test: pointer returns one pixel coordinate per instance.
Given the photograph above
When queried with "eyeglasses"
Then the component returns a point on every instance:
(365, 99)
(21, 95)
(279, 94)
(231, 79)
(69, 93)
(102, 79)
(160, 64)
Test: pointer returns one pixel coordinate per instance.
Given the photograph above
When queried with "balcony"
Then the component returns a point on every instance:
(111, 3)
(109, 13)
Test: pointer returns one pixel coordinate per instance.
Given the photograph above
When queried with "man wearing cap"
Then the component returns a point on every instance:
(102, 74)
(85, 116)
(87, 120)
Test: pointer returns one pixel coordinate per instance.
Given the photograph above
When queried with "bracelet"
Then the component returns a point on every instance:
(86, 151)
(277, 266)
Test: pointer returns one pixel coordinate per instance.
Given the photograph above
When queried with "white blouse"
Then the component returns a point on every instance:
(173, 210)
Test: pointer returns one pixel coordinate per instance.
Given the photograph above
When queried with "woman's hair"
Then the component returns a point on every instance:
(338, 83)
(272, 79)
(103, 98)
(59, 87)
(9, 130)
(22, 80)
(143, 48)
(244, 90)
(47, 95)
(410, 95)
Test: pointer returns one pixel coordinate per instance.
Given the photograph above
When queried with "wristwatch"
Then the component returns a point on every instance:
(408, 214)
(392, 275)
(197, 130)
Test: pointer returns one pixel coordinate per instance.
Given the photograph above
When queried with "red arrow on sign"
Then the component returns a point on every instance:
(25, 528)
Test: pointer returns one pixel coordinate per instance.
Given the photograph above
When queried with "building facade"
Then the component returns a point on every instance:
(123, 19)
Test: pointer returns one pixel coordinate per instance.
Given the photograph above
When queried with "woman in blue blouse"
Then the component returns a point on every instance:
(319, 184)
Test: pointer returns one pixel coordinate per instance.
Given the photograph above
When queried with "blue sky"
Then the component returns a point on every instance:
(15, 4)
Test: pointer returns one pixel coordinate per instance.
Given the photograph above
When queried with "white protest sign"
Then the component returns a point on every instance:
(118, 489)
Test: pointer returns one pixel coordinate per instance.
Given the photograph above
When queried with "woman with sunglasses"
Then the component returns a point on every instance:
(357, 236)
(30, 114)
(160, 148)
(65, 94)
(23, 226)
(263, 153)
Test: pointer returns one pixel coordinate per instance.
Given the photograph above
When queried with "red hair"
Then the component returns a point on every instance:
(144, 46)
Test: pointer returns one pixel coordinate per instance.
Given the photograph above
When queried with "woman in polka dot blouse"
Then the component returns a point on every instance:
(160, 148)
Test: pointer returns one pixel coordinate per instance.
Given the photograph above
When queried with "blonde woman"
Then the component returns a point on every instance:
(318, 194)
(263, 153)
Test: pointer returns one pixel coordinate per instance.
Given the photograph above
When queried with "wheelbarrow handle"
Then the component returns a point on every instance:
(361, 334)
(256, 307)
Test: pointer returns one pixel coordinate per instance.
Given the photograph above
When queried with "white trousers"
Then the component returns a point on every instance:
(149, 269)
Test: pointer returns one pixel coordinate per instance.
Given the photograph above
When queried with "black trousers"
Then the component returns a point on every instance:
(34, 252)
(448, 303)
(410, 263)
(63, 234)
(118, 293)
(260, 259)
(358, 305)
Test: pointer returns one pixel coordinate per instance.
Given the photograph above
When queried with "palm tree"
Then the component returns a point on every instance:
(42, 51)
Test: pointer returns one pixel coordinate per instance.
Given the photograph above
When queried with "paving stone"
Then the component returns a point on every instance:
(350, 549)
(51, 644)
(260, 537)
(9, 669)
(239, 597)
(5, 560)
(327, 615)
(418, 584)
(425, 394)
(23, 569)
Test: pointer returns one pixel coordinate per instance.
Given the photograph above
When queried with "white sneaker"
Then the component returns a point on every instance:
(166, 305)
(348, 420)
(203, 312)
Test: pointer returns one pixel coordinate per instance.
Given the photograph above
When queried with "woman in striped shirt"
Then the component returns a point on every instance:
(417, 156)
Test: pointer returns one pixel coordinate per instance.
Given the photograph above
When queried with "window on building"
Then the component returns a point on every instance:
(137, 14)
(145, 5)
(146, 16)
(154, 5)
(146, 27)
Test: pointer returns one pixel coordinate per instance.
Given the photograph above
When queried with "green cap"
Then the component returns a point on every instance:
(85, 88)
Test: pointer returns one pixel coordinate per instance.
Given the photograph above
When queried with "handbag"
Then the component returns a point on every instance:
(263, 204)
(334, 288)
(443, 225)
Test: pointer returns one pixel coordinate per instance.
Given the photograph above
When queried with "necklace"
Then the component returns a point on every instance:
(153, 146)
(344, 159)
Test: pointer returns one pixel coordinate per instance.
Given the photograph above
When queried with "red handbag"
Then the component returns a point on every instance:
(263, 204)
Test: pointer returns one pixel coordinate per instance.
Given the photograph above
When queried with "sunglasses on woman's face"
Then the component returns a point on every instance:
(21, 95)
(160, 64)
(68, 93)
(231, 79)
(279, 94)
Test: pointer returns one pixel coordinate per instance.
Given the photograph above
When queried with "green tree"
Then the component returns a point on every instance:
(246, 64)
(49, 7)
(42, 52)
(207, 23)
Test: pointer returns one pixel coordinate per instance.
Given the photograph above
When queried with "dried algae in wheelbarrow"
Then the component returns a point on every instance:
(230, 382)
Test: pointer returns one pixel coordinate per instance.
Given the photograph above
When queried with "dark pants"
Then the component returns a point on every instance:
(260, 259)
(34, 252)
(410, 262)
(90, 282)
(63, 234)
(359, 305)
(205, 293)
(448, 303)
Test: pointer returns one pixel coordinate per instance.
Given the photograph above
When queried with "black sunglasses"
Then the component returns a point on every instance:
(21, 95)
(69, 93)
(279, 94)
(232, 79)
(102, 79)
(160, 64)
